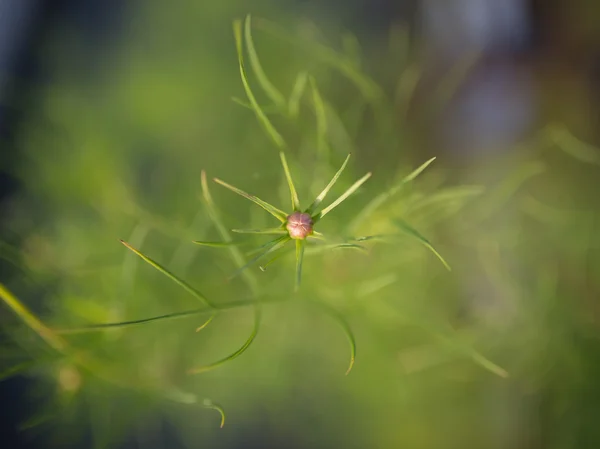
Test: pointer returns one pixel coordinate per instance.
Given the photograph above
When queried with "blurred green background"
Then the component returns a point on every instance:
(500, 352)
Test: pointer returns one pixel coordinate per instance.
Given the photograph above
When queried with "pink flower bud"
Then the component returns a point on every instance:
(299, 225)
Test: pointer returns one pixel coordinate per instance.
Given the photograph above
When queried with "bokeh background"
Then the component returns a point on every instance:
(110, 111)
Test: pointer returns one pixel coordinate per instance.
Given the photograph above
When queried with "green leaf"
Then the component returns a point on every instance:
(277, 213)
(300, 244)
(320, 115)
(270, 231)
(326, 190)
(341, 321)
(265, 109)
(260, 114)
(380, 199)
(206, 323)
(573, 146)
(235, 354)
(317, 236)
(412, 175)
(414, 233)
(34, 323)
(236, 255)
(366, 238)
(264, 266)
(207, 403)
(195, 293)
(264, 82)
(271, 246)
(323, 248)
(132, 323)
(296, 95)
(369, 89)
(216, 244)
(18, 369)
(288, 176)
(345, 195)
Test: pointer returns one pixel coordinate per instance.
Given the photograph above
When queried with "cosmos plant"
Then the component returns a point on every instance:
(299, 224)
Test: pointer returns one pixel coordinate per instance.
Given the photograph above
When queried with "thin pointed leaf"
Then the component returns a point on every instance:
(368, 88)
(274, 245)
(271, 91)
(264, 266)
(412, 175)
(487, 364)
(260, 114)
(320, 114)
(296, 95)
(266, 109)
(277, 213)
(206, 323)
(366, 238)
(322, 248)
(18, 369)
(131, 323)
(235, 354)
(47, 334)
(263, 246)
(341, 321)
(376, 202)
(345, 195)
(236, 255)
(187, 287)
(270, 231)
(317, 236)
(414, 233)
(299, 259)
(216, 244)
(288, 176)
(211, 405)
(326, 190)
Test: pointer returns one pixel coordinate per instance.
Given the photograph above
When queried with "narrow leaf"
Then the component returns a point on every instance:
(366, 238)
(326, 190)
(412, 175)
(264, 266)
(131, 323)
(368, 88)
(299, 259)
(260, 114)
(296, 95)
(345, 195)
(18, 369)
(47, 334)
(288, 176)
(264, 82)
(489, 365)
(215, 244)
(235, 354)
(195, 293)
(380, 199)
(317, 236)
(271, 231)
(274, 245)
(266, 109)
(206, 323)
(211, 405)
(341, 321)
(236, 255)
(323, 248)
(320, 113)
(414, 233)
(277, 213)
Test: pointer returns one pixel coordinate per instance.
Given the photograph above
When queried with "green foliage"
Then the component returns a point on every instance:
(117, 336)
